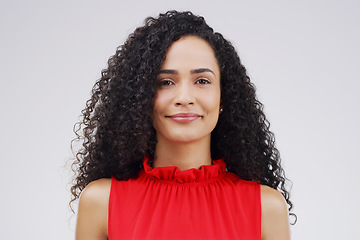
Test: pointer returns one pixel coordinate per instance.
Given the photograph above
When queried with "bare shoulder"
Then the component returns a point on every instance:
(272, 199)
(96, 192)
(274, 215)
(93, 211)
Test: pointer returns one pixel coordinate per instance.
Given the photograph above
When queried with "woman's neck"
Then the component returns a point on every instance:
(183, 155)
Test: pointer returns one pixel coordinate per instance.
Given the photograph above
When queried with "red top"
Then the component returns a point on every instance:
(166, 203)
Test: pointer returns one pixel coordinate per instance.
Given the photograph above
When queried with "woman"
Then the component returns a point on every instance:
(176, 146)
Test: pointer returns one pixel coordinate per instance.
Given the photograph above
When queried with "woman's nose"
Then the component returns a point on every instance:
(184, 95)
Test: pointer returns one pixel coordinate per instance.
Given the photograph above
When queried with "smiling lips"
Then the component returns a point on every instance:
(184, 117)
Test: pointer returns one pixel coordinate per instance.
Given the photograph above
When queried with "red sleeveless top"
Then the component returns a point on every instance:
(166, 203)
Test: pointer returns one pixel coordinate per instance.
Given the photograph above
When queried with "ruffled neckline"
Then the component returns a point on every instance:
(206, 173)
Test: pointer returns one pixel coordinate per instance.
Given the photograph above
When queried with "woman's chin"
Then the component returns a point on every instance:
(184, 138)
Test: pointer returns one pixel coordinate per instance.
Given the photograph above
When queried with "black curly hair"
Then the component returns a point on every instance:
(117, 129)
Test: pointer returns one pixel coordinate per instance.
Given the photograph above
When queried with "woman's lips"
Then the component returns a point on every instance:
(184, 117)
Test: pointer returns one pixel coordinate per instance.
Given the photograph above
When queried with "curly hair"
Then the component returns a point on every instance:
(116, 128)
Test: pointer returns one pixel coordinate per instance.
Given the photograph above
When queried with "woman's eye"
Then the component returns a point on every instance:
(165, 82)
(202, 81)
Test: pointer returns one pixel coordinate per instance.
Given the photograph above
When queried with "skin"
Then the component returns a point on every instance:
(189, 82)
(92, 220)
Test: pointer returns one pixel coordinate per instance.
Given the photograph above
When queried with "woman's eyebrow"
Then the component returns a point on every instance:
(201, 70)
(194, 71)
(168, 71)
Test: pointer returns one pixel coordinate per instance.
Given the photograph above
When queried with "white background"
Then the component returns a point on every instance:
(303, 58)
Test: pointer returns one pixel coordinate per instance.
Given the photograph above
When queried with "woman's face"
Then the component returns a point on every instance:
(186, 107)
